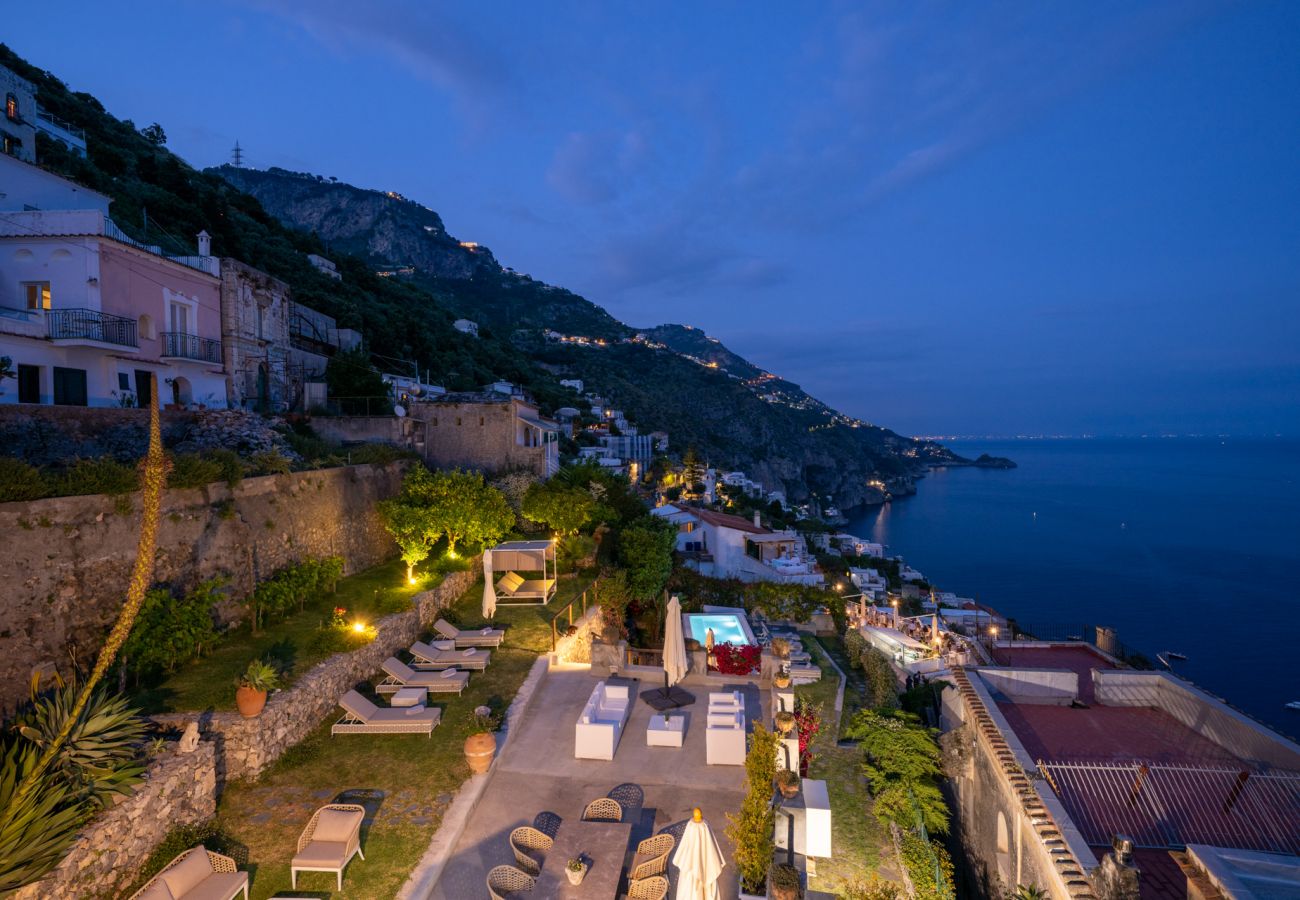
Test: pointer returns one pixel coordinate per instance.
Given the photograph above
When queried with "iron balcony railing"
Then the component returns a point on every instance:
(191, 346)
(90, 325)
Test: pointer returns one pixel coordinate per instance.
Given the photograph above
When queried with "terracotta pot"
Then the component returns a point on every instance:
(781, 681)
(788, 791)
(479, 750)
(249, 701)
(784, 893)
(575, 878)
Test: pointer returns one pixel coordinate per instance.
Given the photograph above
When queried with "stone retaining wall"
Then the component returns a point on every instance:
(69, 558)
(246, 747)
(180, 789)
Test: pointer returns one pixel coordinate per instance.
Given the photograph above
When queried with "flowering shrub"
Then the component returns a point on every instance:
(807, 721)
(737, 659)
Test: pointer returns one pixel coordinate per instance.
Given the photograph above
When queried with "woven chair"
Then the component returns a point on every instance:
(655, 888)
(330, 840)
(226, 879)
(605, 809)
(505, 880)
(652, 856)
(523, 839)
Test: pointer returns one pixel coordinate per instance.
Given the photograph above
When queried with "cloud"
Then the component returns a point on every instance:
(597, 167)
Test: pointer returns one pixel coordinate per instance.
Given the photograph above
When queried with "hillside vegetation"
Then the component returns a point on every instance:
(670, 377)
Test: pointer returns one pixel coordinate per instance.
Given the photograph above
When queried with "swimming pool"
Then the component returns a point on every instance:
(728, 627)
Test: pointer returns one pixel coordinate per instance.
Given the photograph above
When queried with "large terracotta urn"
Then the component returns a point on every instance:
(479, 751)
(249, 701)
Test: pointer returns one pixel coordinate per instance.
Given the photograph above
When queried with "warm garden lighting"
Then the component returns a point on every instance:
(451, 554)
(359, 627)
(411, 580)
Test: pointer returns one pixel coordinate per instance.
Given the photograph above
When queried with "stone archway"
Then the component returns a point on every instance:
(182, 393)
(1005, 872)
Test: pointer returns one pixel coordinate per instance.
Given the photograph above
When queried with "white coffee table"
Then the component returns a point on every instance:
(409, 696)
(665, 733)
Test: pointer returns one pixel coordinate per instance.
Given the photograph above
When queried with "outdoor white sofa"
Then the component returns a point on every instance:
(400, 675)
(430, 657)
(728, 700)
(601, 723)
(724, 738)
(196, 873)
(360, 716)
(485, 637)
(330, 840)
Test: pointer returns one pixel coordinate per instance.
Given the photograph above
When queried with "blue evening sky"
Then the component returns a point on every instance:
(945, 218)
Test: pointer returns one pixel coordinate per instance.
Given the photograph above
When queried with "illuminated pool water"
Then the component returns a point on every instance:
(728, 628)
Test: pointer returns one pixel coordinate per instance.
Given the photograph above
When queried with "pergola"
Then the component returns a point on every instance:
(536, 559)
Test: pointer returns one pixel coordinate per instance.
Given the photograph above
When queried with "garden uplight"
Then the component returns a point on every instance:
(359, 627)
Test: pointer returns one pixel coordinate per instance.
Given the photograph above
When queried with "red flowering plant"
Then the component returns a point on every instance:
(338, 620)
(807, 721)
(737, 659)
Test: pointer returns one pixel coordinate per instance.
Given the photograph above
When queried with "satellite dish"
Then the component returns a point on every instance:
(399, 410)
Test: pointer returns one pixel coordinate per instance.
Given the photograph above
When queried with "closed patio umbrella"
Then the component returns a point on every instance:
(699, 861)
(674, 643)
(489, 592)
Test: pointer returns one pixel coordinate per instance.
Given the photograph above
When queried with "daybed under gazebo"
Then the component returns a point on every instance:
(529, 568)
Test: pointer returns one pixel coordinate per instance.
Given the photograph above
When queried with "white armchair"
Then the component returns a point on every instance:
(601, 723)
(724, 739)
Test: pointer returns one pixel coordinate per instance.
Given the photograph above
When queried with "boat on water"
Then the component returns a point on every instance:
(1294, 705)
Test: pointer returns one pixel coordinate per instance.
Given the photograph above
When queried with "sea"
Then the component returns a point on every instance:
(1190, 545)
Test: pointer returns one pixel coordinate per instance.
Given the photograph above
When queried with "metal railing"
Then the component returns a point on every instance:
(190, 346)
(90, 325)
(568, 610)
(62, 125)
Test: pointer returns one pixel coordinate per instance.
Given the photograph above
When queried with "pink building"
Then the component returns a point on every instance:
(90, 317)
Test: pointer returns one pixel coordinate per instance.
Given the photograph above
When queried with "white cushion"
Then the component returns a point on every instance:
(338, 824)
(157, 891)
(448, 673)
(616, 691)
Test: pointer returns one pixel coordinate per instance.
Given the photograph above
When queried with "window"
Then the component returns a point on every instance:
(69, 387)
(180, 318)
(29, 384)
(38, 294)
(11, 107)
(123, 381)
(12, 145)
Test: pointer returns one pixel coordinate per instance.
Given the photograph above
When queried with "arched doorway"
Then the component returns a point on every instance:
(181, 394)
(263, 388)
(1004, 853)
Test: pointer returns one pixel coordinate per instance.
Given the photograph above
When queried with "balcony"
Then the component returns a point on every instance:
(179, 345)
(90, 328)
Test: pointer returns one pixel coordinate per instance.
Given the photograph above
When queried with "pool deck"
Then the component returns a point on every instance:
(536, 781)
(719, 612)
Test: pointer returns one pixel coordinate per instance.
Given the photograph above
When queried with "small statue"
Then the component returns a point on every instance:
(190, 738)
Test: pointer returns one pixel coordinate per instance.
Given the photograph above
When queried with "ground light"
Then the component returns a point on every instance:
(359, 627)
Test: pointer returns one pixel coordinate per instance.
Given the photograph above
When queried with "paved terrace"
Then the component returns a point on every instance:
(537, 781)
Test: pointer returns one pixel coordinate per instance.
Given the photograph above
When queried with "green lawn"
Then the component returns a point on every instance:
(856, 836)
(209, 683)
(405, 781)
(854, 681)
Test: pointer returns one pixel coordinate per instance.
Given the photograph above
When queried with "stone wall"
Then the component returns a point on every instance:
(245, 747)
(68, 559)
(179, 789)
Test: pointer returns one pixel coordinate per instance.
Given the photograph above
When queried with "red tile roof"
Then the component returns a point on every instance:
(726, 520)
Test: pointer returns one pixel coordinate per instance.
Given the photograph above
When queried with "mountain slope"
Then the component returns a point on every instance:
(673, 378)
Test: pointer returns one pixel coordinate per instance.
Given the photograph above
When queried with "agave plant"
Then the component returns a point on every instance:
(1028, 892)
(35, 828)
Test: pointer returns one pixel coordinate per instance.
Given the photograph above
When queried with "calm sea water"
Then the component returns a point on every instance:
(1191, 545)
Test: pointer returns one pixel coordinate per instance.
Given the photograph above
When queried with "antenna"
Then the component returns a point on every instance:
(237, 156)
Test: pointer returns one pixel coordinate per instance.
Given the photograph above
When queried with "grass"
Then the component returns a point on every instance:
(405, 781)
(854, 679)
(856, 837)
(209, 683)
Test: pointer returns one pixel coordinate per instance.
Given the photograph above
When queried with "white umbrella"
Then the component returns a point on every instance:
(699, 861)
(489, 592)
(674, 643)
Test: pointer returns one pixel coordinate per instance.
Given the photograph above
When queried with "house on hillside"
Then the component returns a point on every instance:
(91, 317)
(18, 123)
(466, 326)
(255, 314)
(487, 431)
(324, 266)
(721, 545)
(313, 338)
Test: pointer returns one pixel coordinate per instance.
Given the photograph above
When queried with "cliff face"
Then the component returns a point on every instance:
(383, 227)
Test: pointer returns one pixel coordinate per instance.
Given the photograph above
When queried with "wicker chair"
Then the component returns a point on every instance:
(652, 856)
(505, 880)
(606, 809)
(223, 868)
(329, 847)
(655, 888)
(525, 838)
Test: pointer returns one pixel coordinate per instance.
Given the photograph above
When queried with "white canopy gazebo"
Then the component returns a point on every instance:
(529, 568)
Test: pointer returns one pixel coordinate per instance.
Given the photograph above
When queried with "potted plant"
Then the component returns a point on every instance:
(257, 680)
(481, 745)
(781, 680)
(787, 782)
(784, 882)
(780, 648)
(576, 869)
(784, 721)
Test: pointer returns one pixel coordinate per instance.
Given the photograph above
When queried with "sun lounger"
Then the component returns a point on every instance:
(400, 675)
(363, 717)
(427, 657)
(485, 637)
(330, 840)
